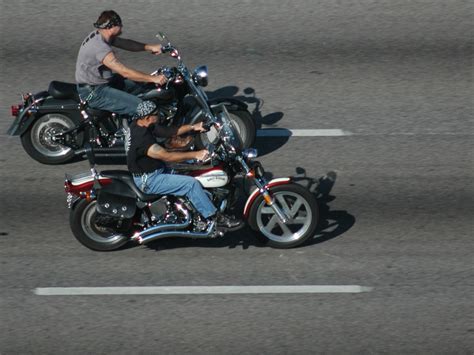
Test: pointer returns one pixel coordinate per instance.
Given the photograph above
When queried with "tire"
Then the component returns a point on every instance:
(271, 231)
(37, 139)
(88, 233)
(244, 124)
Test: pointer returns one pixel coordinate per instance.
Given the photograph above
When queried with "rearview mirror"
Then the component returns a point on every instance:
(161, 36)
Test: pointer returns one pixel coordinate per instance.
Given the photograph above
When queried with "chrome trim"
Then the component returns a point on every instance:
(200, 76)
(250, 153)
(177, 233)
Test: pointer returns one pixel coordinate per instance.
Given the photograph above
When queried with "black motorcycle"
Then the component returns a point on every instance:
(55, 125)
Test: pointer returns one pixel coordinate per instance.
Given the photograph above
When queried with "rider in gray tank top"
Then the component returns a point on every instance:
(89, 67)
(103, 81)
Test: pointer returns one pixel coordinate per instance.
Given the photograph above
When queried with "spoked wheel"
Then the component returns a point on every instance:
(85, 227)
(244, 125)
(39, 143)
(300, 206)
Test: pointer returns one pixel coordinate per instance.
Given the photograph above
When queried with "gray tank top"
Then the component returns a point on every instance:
(89, 67)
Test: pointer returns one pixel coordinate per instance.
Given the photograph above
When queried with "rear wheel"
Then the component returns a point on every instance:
(84, 225)
(244, 124)
(299, 204)
(38, 140)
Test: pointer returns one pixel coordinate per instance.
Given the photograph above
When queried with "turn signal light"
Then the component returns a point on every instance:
(250, 174)
(268, 199)
(15, 109)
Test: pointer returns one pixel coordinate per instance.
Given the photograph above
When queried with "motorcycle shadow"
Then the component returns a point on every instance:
(332, 223)
(250, 98)
(267, 144)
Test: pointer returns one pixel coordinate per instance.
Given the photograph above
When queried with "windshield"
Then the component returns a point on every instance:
(228, 131)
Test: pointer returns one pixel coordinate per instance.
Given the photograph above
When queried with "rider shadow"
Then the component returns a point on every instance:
(332, 223)
(264, 143)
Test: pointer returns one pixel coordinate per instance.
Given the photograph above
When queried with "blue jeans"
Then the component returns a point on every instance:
(159, 182)
(118, 96)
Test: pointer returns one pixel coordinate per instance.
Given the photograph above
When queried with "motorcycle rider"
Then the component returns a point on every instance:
(146, 160)
(96, 64)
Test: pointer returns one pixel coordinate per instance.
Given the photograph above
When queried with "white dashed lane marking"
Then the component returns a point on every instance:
(283, 132)
(196, 290)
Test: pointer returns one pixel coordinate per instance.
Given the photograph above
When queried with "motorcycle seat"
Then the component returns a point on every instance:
(61, 91)
(127, 178)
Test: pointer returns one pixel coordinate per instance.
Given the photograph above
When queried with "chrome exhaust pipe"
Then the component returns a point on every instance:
(174, 233)
(139, 236)
(172, 230)
(162, 227)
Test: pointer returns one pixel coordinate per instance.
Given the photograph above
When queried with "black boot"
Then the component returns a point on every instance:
(227, 221)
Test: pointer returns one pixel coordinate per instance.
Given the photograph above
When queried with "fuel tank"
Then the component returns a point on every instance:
(210, 178)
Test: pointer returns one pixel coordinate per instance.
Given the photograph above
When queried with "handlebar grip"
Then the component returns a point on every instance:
(207, 125)
(166, 49)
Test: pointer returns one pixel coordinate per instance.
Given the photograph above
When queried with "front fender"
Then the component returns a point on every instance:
(233, 104)
(256, 192)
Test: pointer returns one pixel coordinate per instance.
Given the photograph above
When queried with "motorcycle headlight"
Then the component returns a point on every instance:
(250, 153)
(200, 76)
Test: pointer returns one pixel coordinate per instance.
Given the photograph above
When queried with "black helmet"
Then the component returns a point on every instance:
(108, 19)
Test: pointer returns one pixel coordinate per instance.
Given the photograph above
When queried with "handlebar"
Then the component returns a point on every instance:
(166, 48)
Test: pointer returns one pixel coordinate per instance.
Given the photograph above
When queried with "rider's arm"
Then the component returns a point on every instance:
(114, 64)
(157, 152)
(185, 129)
(134, 46)
(165, 132)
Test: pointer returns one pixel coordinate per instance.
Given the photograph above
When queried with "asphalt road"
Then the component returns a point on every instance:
(396, 195)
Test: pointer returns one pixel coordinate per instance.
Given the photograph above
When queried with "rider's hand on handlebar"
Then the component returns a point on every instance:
(154, 48)
(199, 127)
(201, 155)
(159, 79)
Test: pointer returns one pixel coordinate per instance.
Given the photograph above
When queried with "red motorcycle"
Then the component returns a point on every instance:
(108, 210)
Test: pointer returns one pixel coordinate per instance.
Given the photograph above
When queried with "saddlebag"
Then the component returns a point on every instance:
(116, 200)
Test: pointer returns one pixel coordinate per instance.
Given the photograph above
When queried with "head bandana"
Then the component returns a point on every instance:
(144, 109)
(115, 20)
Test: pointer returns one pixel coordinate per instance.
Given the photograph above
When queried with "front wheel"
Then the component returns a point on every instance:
(299, 204)
(85, 226)
(38, 140)
(243, 123)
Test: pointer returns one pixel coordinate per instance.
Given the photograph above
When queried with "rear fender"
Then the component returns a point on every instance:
(43, 106)
(253, 196)
(27, 115)
(81, 186)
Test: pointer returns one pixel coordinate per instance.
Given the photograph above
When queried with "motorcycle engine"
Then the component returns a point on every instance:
(159, 208)
(167, 112)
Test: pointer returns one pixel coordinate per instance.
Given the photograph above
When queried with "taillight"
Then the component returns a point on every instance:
(82, 188)
(16, 109)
